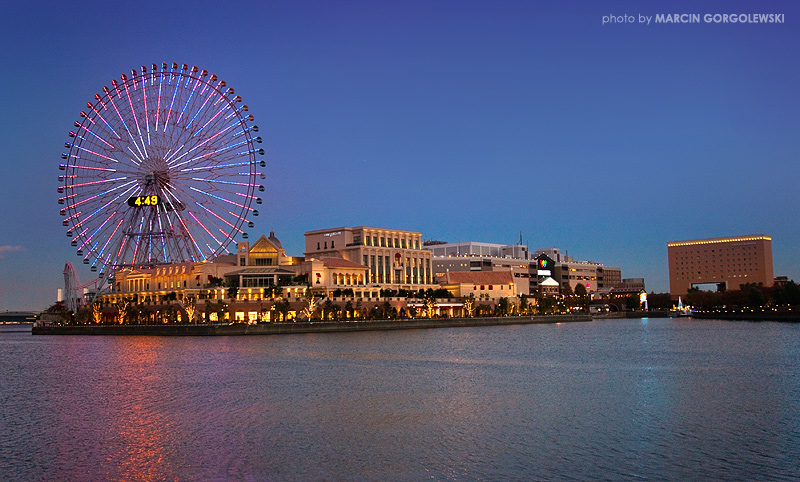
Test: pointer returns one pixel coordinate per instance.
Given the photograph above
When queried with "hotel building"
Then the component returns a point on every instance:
(394, 258)
(729, 262)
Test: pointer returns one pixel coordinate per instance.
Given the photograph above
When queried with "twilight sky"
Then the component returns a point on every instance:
(464, 120)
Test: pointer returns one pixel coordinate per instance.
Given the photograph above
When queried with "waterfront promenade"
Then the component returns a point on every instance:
(299, 327)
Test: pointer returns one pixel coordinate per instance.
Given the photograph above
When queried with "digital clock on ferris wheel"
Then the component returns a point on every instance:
(144, 201)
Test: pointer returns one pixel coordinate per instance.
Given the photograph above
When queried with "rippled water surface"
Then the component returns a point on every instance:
(615, 400)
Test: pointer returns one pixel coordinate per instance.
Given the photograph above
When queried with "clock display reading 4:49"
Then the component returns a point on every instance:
(141, 201)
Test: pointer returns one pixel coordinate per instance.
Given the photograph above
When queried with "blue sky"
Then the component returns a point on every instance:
(466, 121)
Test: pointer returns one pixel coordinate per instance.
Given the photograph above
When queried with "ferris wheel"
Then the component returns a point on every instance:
(161, 168)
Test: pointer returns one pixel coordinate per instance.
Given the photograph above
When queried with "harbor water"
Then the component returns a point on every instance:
(617, 400)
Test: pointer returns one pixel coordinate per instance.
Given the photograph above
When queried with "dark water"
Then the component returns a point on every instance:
(614, 400)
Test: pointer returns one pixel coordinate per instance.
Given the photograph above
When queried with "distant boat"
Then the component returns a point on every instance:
(680, 311)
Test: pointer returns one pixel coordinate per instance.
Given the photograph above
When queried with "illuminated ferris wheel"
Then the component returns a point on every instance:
(161, 168)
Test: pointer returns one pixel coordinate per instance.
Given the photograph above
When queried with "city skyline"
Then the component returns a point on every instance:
(465, 121)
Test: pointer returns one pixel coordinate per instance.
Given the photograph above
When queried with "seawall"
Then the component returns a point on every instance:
(781, 316)
(298, 327)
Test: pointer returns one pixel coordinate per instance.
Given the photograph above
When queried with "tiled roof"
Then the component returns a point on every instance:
(476, 277)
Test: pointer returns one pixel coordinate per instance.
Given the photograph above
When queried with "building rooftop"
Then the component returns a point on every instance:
(340, 263)
(754, 237)
(476, 277)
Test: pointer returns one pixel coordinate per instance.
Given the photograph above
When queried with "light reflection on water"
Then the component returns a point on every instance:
(612, 400)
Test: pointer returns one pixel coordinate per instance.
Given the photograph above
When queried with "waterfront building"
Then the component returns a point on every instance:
(395, 259)
(529, 271)
(475, 249)
(480, 284)
(477, 256)
(727, 262)
(630, 283)
(570, 273)
(254, 269)
(334, 275)
(549, 286)
(612, 277)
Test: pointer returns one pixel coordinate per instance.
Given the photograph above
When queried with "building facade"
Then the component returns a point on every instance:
(480, 284)
(254, 269)
(525, 267)
(394, 258)
(728, 262)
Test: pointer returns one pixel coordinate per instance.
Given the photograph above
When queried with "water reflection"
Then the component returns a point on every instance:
(617, 400)
(143, 434)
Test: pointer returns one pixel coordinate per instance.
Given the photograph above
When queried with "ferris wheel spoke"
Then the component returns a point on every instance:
(163, 245)
(133, 112)
(189, 233)
(99, 253)
(188, 100)
(94, 136)
(107, 124)
(217, 181)
(224, 107)
(143, 151)
(111, 237)
(158, 101)
(88, 239)
(201, 109)
(144, 104)
(214, 167)
(211, 153)
(236, 228)
(83, 140)
(138, 243)
(195, 158)
(119, 115)
(107, 191)
(93, 183)
(212, 140)
(90, 216)
(134, 158)
(81, 148)
(174, 156)
(221, 198)
(200, 223)
(177, 208)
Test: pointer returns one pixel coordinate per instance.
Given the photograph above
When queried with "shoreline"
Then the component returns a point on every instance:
(235, 329)
(302, 327)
